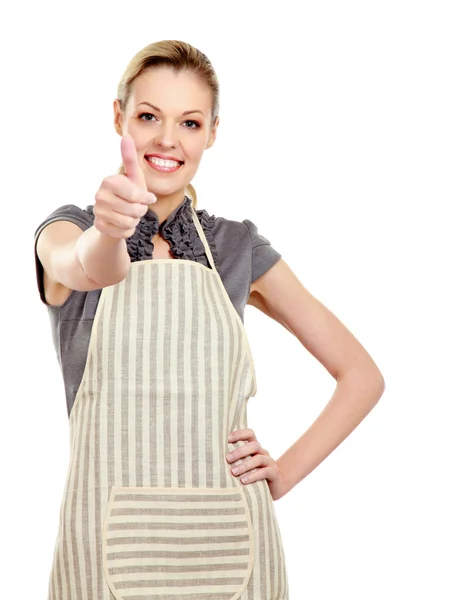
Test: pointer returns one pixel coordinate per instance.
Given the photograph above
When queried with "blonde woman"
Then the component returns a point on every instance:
(169, 494)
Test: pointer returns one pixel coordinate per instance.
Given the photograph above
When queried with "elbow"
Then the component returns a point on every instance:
(83, 282)
(375, 384)
(114, 280)
(367, 382)
(379, 386)
(372, 378)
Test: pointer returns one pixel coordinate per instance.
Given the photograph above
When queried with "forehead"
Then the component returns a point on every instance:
(174, 92)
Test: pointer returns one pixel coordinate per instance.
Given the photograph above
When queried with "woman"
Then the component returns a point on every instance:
(168, 493)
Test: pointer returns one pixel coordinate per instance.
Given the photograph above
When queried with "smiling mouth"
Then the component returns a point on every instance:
(164, 163)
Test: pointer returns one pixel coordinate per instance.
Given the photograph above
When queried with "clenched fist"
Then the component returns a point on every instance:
(122, 199)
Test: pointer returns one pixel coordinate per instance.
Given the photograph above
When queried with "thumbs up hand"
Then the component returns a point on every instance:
(132, 168)
(123, 199)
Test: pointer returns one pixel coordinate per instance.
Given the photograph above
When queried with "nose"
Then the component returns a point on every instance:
(166, 135)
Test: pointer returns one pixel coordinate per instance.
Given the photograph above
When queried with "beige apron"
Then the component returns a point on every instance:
(150, 508)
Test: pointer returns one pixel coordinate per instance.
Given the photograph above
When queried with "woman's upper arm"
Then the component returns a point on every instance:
(281, 295)
(55, 250)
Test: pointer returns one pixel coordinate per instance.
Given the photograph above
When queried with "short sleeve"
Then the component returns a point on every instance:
(69, 212)
(264, 256)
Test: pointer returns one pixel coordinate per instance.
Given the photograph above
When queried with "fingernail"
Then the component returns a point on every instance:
(152, 197)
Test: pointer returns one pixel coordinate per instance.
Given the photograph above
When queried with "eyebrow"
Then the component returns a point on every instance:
(187, 112)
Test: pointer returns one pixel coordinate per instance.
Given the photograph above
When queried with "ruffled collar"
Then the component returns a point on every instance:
(140, 246)
(179, 230)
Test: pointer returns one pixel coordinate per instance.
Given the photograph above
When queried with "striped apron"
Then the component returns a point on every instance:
(150, 508)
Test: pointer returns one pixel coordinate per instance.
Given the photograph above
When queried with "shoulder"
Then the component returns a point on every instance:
(239, 242)
(225, 236)
(84, 218)
(232, 229)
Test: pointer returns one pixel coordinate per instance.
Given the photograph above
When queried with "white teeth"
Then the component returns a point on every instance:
(163, 163)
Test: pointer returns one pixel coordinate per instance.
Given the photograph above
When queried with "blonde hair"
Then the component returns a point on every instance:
(178, 56)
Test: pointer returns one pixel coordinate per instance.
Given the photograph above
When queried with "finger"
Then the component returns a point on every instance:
(242, 434)
(109, 229)
(130, 162)
(247, 449)
(130, 209)
(106, 206)
(115, 219)
(122, 221)
(253, 462)
(127, 190)
(259, 474)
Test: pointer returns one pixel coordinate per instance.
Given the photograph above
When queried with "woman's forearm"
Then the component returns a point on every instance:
(104, 259)
(354, 397)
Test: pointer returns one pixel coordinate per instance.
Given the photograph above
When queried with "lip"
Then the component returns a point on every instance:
(162, 169)
(165, 157)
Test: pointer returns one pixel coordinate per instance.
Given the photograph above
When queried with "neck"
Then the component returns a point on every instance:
(165, 205)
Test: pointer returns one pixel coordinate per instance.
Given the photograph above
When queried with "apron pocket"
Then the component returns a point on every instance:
(172, 543)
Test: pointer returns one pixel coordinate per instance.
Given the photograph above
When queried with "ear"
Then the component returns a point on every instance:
(212, 135)
(117, 116)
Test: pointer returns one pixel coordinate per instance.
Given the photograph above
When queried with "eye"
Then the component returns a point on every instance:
(191, 124)
(146, 117)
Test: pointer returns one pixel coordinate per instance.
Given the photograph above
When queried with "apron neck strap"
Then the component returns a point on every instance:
(203, 238)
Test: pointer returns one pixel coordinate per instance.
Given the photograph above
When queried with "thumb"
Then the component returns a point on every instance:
(130, 162)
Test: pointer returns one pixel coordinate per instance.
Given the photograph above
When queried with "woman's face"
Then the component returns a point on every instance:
(169, 117)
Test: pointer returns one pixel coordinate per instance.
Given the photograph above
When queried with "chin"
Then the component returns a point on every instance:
(163, 191)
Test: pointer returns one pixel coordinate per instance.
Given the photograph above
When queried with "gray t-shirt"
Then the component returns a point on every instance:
(241, 255)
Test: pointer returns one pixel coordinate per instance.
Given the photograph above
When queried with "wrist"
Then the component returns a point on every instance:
(284, 484)
(103, 259)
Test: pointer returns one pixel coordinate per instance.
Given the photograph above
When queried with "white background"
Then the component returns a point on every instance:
(339, 138)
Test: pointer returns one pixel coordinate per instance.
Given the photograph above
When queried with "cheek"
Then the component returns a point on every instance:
(194, 147)
(138, 132)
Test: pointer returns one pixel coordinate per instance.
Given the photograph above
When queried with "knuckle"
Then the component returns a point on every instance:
(107, 182)
(103, 199)
(133, 221)
(134, 195)
(129, 232)
(143, 208)
(136, 211)
(100, 225)
(99, 197)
